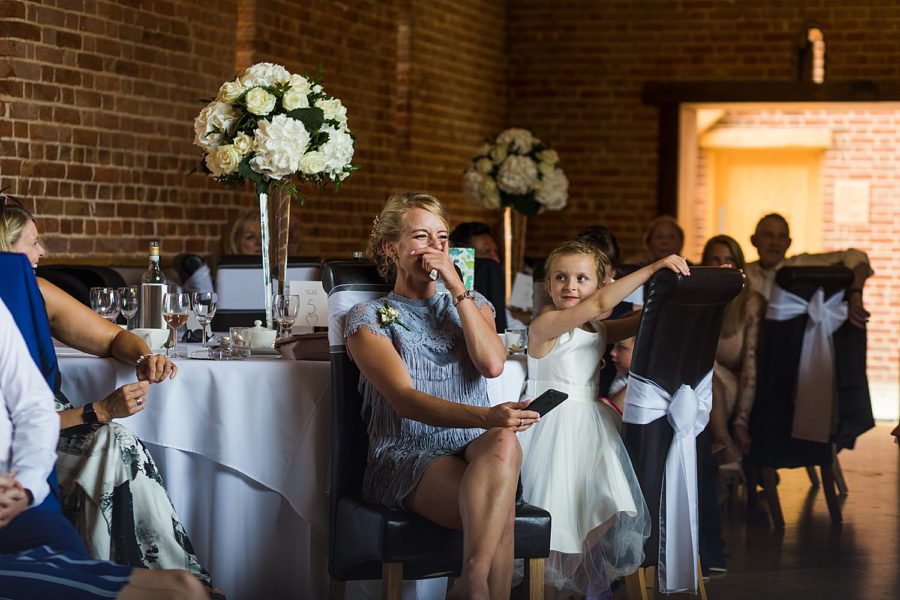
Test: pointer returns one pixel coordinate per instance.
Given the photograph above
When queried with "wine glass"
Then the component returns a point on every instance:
(175, 309)
(129, 300)
(284, 311)
(105, 302)
(204, 306)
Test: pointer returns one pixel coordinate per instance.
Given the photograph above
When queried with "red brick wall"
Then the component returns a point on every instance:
(864, 147)
(577, 67)
(97, 101)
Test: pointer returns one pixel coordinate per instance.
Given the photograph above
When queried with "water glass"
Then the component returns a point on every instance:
(240, 342)
(176, 307)
(105, 302)
(129, 301)
(204, 306)
(516, 341)
(284, 310)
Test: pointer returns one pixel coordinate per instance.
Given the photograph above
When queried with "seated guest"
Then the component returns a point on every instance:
(41, 555)
(107, 477)
(663, 237)
(243, 235)
(489, 276)
(620, 356)
(423, 358)
(734, 373)
(772, 238)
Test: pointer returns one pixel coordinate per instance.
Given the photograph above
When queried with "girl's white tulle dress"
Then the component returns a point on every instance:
(576, 467)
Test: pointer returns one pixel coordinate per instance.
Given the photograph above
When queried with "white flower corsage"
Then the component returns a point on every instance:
(388, 315)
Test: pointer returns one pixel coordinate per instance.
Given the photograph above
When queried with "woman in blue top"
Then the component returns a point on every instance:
(423, 356)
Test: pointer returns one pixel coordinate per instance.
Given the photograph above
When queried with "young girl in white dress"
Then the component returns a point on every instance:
(574, 463)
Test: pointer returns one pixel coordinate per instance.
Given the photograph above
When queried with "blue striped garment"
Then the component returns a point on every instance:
(49, 574)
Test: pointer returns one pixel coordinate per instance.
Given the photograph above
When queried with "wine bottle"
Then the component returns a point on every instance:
(153, 274)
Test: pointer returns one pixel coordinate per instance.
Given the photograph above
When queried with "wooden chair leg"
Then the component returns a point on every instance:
(838, 473)
(701, 585)
(813, 476)
(636, 585)
(534, 578)
(770, 489)
(336, 590)
(391, 580)
(831, 499)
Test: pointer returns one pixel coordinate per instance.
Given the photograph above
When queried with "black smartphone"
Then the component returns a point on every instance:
(547, 401)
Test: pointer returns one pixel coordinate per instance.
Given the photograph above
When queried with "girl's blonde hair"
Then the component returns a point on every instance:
(737, 308)
(579, 247)
(388, 226)
(13, 220)
(231, 241)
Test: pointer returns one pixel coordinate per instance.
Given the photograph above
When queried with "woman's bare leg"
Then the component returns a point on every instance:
(500, 579)
(477, 497)
(170, 584)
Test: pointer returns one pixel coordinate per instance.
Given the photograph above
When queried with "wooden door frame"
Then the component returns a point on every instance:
(670, 95)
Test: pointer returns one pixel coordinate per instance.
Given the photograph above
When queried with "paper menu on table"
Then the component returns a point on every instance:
(313, 310)
(522, 295)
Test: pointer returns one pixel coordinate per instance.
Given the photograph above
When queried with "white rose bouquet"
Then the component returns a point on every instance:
(517, 170)
(270, 126)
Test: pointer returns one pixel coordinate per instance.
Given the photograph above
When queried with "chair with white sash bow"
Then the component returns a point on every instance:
(370, 542)
(667, 405)
(795, 411)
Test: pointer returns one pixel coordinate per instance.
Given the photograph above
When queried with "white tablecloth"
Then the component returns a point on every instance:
(243, 448)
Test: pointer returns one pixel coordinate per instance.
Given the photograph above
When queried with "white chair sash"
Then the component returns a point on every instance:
(688, 413)
(340, 300)
(814, 404)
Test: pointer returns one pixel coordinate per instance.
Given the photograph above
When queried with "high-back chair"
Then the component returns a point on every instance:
(368, 541)
(782, 425)
(673, 354)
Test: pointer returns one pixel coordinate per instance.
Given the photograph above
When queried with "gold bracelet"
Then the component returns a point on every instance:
(465, 295)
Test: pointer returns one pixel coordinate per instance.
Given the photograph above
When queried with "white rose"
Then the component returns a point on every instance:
(555, 190)
(294, 99)
(499, 154)
(259, 101)
(243, 143)
(517, 175)
(230, 90)
(472, 186)
(490, 195)
(338, 151)
(212, 123)
(301, 84)
(312, 163)
(279, 145)
(265, 74)
(548, 156)
(520, 141)
(223, 160)
(546, 168)
(484, 165)
(333, 109)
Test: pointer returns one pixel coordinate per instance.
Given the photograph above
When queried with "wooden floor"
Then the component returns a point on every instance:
(811, 559)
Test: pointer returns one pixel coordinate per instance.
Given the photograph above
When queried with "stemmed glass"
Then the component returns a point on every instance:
(284, 311)
(175, 309)
(129, 300)
(204, 307)
(105, 302)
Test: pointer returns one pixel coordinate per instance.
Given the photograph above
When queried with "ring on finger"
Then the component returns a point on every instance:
(139, 401)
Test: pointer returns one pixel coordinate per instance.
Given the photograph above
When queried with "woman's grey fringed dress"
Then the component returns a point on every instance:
(435, 354)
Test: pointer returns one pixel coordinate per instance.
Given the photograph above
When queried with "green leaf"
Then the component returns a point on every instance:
(312, 117)
(244, 170)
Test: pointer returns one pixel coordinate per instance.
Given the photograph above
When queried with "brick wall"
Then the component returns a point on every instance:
(864, 148)
(97, 101)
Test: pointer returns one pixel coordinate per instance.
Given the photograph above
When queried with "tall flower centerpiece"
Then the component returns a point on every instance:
(517, 172)
(275, 129)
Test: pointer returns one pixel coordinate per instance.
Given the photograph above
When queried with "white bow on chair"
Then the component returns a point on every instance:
(688, 413)
(814, 405)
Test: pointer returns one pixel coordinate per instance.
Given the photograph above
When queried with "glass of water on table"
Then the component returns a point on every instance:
(176, 307)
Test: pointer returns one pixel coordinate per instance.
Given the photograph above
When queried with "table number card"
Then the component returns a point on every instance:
(313, 305)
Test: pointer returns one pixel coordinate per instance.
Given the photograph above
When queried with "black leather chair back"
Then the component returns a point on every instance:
(77, 280)
(675, 345)
(778, 362)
